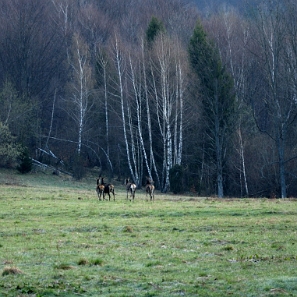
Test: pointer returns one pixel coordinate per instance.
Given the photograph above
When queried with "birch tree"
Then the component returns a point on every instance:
(167, 86)
(152, 161)
(137, 92)
(128, 128)
(102, 80)
(80, 87)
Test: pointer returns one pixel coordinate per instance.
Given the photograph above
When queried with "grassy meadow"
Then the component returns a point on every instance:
(57, 239)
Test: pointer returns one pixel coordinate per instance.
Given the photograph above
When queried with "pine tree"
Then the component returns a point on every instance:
(218, 100)
(155, 27)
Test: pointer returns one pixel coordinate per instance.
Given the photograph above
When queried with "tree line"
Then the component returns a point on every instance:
(200, 102)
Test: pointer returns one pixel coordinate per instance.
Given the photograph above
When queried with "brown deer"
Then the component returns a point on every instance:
(103, 188)
(100, 188)
(130, 187)
(150, 188)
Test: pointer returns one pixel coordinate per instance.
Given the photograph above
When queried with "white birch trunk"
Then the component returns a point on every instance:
(82, 103)
(152, 163)
(167, 85)
(137, 96)
(120, 71)
(180, 104)
(104, 65)
(81, 86)
(52, 119)
(242, 159)
(167, 108)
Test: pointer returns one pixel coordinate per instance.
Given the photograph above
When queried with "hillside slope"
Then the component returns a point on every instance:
(214, 4)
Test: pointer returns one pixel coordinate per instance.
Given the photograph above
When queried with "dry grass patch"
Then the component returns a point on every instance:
(83, 262)
(64, 266)
(11, 271)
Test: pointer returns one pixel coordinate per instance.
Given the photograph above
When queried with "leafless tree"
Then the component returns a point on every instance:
(80, 87)
(276, 58)
(168, 91)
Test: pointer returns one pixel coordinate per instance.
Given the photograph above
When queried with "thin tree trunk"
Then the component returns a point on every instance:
(137, 97)
(121, 91)
(134, 150)
(180, 101)
(242, 159)
(152, 163)
(218, 148)
(106, 108)
(52, 119)
(282, 171)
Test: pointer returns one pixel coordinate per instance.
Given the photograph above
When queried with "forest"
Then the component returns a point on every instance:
(198, 100)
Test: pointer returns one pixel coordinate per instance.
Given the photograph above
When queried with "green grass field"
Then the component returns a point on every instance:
(57, 239)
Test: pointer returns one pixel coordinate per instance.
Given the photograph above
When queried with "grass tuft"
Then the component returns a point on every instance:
(11, 271)
(228, 248)
(97, 262)
(64, 266)
(128, 229)
(83, 262)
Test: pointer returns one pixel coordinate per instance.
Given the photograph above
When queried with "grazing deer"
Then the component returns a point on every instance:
(150, 188)
(130, 187)
(103, 188)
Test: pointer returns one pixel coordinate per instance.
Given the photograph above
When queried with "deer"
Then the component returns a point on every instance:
(100, 188)
(150, 188)
(130, 187)
(103, 188)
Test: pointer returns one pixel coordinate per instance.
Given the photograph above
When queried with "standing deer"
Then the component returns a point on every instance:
(100, 188)
(130, 187)
(103, 188)
(150, 188)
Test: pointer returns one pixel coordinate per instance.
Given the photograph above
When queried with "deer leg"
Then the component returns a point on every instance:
(98, 193)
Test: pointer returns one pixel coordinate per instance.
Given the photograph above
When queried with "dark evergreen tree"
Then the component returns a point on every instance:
(25, 165)
(218, 101)
(155, 27)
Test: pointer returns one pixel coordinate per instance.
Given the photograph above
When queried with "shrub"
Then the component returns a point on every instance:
(25, 165)
(9, 149)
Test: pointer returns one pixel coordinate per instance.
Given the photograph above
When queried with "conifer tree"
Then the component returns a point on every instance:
(218, 100)
(155, 27)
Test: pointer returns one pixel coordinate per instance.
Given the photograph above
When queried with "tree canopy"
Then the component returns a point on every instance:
(146, 88)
